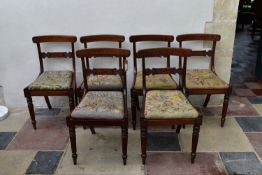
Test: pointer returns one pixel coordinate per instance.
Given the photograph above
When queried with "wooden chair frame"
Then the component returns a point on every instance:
(165, 52)
(88, 39)
(210, 53)
(72, 122)
(42, 55)
(135, 93)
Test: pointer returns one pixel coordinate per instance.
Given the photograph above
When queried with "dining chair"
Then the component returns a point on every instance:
(52, 83)
(161, 81)
(168, 106)
(205, 81)
(102, 82)
(101, 107)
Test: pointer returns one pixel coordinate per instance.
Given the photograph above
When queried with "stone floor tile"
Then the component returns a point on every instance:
(241, 163)
(180, 164)
(163, 141)
(15, 162)
(213, 138)
(256, 141)
(5, 139)
(258, 92)
(255, 100)
(101, 153)
(15, 120)
(258, 107)
(244, 92)
(254, 85)
(45, 162)
(51, 134)
(46, 111)
(250, 124)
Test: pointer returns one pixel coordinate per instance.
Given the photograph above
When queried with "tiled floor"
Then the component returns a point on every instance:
(235, 149)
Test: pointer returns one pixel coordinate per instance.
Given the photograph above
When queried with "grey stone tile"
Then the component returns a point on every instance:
(250, 124)
(46, 111)
(163, 141)
(45, 162)
(241, 163)
(5, 139)
(255, 100)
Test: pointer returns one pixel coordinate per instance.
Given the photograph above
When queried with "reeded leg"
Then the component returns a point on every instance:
(31, 110)
(224, 110)
(195, 136)
(124, 143)
(73, 142)
(133, 109)
(207, 100)
(48, 102)
(143, 142)
(178, 129)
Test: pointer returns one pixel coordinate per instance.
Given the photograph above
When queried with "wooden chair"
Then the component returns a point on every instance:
(101, 108)
(205, 81)
(154, 81)
(52, 83)
(169, 106)
(102, 82)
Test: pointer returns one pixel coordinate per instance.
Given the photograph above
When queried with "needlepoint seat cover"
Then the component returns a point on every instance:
(168, 104)
(203, 79)
(158, 81)
(104, 82)
(52, 80)
(100, 105)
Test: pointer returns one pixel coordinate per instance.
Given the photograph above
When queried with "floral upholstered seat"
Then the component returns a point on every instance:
(168, 104)
(203, 79)
(104, 82)
(158, 81)
(52, 80)
(100, 105)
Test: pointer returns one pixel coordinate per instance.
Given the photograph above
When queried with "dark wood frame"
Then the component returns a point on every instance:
(72, 122)
(88, 39)
(135, 93)
(210, 53)
(42, 55)
(196, 122)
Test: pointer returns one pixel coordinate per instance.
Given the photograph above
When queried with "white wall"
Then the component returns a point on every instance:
(20, 20)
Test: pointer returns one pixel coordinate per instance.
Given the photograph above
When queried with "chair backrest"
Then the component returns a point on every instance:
(149, 38)
(104, 38)
(201, 37)
(55, 39)
(163, 52)
(96, 53)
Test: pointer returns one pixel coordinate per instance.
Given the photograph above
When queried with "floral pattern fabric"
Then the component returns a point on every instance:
(52, 80)
(100, 105)
(168, 104)
(203, 79)
(158, 81)
(104, 82)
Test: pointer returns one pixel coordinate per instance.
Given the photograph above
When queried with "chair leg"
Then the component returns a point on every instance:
(195, 136)
(31, 110)
(48, 102)
(224, 110)
(71, 101)
(133, 109)
(92, 129)
(207, 100)
(143, 142)
(137, 103)
(72, 134)
(178, 129)
(124, 133)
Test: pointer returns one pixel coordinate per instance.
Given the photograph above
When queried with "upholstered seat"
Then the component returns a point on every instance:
(52, 80)
(158, 81)
(203, 79)
(104, 82)
(168, 104)
(100, 105)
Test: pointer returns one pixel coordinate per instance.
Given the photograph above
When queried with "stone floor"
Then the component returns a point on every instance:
(235, 149)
